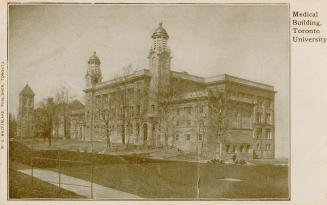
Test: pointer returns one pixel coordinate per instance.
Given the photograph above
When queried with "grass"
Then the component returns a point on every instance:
(20, 187)
(180, 180)
(160, 179)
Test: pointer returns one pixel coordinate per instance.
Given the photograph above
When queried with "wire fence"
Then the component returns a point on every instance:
(58, 166)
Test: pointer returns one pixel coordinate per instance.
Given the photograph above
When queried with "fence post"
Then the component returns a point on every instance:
(32, 174)
(32, 171)
(59, 172)
(92, 172)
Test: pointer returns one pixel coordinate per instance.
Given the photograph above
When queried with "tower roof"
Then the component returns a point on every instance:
(160, 32)
(27, 91)
(94, 59)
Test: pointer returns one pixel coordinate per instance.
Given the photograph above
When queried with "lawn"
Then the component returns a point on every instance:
(162, 179)
(184, 180)
(20, 187)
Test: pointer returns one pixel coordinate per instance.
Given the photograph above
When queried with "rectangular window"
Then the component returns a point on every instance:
(138, 109)
(188, 110)
(178, 111)
(131, 109)
(139, 93)
(153, 108)
(268, 133)
(130, 129)
(258, 117)
(130, 92)
(188, 122)
(200, 136)
(258, 133)
(267, 118)
(188, 136)
(112, 96)
(201, 108)
(176, 137)
(268, 147)
(138, 128)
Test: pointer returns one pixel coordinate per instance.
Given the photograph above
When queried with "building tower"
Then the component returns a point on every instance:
(93, 76)
(25, 112)
(93, 72)
(159, 63)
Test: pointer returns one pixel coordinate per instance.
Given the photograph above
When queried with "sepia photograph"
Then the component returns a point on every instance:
(148, 102)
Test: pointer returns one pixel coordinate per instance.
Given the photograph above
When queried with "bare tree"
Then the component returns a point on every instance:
(166, 95)
(123, 100)
(63, 99)
(219, 116)
(106, 114)
(12, 126)
(48, 114)
(201, 116)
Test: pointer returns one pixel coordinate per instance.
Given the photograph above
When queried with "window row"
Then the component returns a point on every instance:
(266, 147)
(263, 118)
(238, 148)
(242, 119)
(189, 110)
(27, 101)
(260, 135)
(183, 123)
(128, 93)
(128, 111)
(265, 104)
(179, 137)
(119, 129)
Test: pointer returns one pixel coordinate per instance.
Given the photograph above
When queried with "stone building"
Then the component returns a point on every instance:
(77, 121)
(25, 126)
(63, 122)
(217, 117)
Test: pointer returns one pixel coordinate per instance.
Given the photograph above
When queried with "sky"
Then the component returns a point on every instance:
(49, 46)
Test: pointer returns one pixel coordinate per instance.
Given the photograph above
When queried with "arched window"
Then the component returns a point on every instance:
(242, 148)
(227, 148)
(235, 149)
(247, 148)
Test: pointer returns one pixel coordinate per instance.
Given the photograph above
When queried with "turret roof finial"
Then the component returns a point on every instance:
(94, 59)
(160, 32)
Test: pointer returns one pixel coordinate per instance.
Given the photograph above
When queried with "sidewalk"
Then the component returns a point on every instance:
(78, 186)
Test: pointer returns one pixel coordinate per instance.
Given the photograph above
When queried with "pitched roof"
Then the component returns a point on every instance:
(27, 91)
(76, 105)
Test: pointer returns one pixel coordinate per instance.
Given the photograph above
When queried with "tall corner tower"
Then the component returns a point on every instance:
(159, 63)
(25, 112)
(93, 73)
